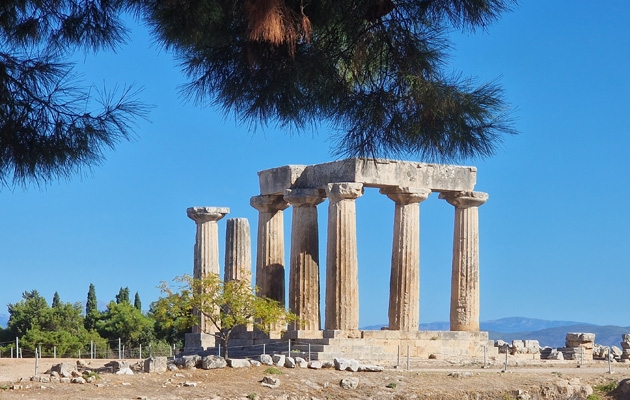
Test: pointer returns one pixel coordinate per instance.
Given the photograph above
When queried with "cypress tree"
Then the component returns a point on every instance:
(91, 310)
(137, 303)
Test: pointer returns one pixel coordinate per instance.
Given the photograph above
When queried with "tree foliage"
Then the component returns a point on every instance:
(137, 303)
(373, 69)
(91, 309)
(123, 296)
(50, 125)
(227, 305)
(122, 320)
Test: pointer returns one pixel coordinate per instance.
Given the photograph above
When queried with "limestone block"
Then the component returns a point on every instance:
(266, 359)
(289, 362)
(580, 337)
(279, 359)
(616, 351)
(64, 369)
(238, 363)
(315, 364)
(302, 363)
(213, 362)
(155, 364)
(370, 368)
(349, 383)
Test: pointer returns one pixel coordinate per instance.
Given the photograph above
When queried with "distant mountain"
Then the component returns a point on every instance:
(522, 324)
(609, 335)
(548, 333)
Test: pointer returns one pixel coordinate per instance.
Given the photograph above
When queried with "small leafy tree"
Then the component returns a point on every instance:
(122, 320)
(226, 305)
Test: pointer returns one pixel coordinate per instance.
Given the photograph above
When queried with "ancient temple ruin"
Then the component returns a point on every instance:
(340, 183)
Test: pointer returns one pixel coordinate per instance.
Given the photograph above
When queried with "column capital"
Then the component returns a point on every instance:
(304, 197)
(206, 214)
(406, 195)
(268, 202)
(464, 199)
(344, 190)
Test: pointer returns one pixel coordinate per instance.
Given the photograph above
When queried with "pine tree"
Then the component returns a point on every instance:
(91, 309)
(51, 126)
(137, 303)
(56, 301)
(372, 69)
(123, 296)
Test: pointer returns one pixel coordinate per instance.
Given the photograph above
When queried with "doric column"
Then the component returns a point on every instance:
(270, 246)
(342, 273)
(465, 279)
(238, 255)
(304, 264)
(206, 260)
(404, 281)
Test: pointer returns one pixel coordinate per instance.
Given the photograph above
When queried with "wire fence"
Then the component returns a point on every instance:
(111, 349)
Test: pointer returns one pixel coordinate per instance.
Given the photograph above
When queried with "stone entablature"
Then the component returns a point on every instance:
(378, 173)
(342, 183)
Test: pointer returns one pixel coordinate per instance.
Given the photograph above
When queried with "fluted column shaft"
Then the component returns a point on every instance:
(238, 258)
(465, 278)
(270, 246)
(304, 262)
(206, 253)
(404, 284)
(342, 273)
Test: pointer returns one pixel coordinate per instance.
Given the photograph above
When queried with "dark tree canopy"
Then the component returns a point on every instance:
(137, 304)
(123, 296)
(91, 309)
(373, 69)
(50, 126)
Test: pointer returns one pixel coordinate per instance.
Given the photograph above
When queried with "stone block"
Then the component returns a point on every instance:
(279, 359)
(266, 359)
(238, 363)
(155, 364)
(213, 362)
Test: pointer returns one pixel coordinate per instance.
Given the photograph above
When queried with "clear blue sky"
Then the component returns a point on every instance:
(554, 234)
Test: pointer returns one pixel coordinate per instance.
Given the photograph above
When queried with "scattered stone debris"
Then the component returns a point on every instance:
(270, 382)
(459, 374)
(349, 383)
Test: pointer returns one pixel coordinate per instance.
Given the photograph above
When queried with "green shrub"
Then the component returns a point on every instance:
(272, 371)
(606, 388)
(391, 385)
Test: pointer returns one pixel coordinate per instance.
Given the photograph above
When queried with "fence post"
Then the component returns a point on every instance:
(609, 362)
(17, 347)
(289, 347)
(54, 351)
(309, 352)
(219, 349)
(36, 362)
(11, 352)
(151, 350)
(264, 348)
(507, 348)
(140, 352)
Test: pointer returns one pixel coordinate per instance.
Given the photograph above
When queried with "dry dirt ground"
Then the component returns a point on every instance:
(425, 380)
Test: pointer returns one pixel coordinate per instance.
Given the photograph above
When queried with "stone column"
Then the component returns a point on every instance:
(270, 246)
(304, 264)
(238, 258)
(404, 281)
(465, 279)
(206, 259)
(342, 273)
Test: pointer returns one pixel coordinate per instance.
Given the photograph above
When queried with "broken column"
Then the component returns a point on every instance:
(238, 259)
(464, 314)
(578, 346)
(404, 284)
(270, 246)
(342, 280)
(304, 261)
